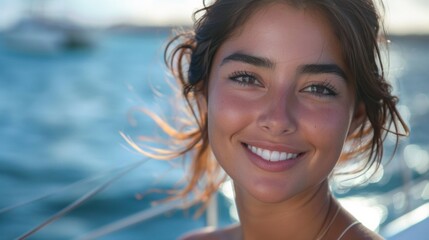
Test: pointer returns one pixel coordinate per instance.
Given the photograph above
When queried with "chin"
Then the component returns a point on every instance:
(269, 194)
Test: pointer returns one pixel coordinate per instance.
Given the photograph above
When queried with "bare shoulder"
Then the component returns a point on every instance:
(360, 232)
(210, 233)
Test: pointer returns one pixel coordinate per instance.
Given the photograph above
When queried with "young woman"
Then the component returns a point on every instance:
(282, 91)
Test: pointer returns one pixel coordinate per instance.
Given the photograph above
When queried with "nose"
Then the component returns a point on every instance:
(278, 116)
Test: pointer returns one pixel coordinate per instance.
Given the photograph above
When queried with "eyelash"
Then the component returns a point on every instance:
(244, 78)
(328, 90)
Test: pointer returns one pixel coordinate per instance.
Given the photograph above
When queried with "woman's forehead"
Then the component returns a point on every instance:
(285, 34)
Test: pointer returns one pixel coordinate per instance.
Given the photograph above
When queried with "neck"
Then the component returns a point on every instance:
(301, 217)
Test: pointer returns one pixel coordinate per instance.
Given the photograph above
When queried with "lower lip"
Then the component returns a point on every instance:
(270, 166)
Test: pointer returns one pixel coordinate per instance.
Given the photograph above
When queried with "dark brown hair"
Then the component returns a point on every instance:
(356, 23)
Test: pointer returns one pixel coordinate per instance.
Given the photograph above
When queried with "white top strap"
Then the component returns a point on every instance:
(348, 228)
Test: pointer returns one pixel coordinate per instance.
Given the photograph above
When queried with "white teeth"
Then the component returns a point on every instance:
(273, 156)
(258, 151)
(266, 154)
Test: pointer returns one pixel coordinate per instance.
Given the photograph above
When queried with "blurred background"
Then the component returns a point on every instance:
(73, 75)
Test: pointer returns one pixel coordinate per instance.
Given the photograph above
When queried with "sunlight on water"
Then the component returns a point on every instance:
(344, 182)
(367, 210)
(420, 104)
(404, 222)
(227, 190)
(425, 192)
(416, 158)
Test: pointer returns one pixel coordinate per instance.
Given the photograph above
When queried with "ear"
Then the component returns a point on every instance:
(359, 117)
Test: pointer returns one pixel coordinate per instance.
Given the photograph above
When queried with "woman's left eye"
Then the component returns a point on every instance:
(322, 90)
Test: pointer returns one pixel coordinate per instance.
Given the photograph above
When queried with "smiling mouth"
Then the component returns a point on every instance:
(272, 156)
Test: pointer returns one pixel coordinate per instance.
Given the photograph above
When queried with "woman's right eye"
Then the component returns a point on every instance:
(245, 79)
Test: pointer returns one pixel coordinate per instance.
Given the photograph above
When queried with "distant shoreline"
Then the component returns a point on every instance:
(138, 29)
(148, 29)
(416, 37)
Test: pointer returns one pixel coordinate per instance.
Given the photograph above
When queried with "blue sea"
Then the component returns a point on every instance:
(61, 115)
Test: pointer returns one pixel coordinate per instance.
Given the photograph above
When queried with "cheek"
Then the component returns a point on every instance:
(227, 112)
(330, 127)
(326, 131)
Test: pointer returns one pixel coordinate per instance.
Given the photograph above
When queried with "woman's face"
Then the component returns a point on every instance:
(280, 104)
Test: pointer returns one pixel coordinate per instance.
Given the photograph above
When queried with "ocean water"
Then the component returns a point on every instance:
(60, 119)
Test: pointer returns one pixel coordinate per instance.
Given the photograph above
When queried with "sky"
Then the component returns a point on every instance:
(402, 16)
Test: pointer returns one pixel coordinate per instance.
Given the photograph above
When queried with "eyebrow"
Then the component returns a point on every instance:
(249, 59)
(323, 68)
(267, 63)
